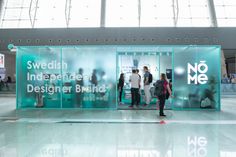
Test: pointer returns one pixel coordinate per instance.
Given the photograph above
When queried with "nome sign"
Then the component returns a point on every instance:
(197, 73)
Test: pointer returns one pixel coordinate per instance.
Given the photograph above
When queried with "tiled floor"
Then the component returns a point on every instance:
(75, 133)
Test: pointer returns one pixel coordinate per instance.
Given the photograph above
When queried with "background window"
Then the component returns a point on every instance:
(193, 13)
(156, 13)
(15, 14)
(122, 13)
(118, 13)
(225, 12)
(85, 13)
(50, 13)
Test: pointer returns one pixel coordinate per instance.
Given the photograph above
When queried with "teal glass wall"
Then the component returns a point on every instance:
(86, 76)
(197, 74)
(95, 85)
(35, 83)
(66, 77)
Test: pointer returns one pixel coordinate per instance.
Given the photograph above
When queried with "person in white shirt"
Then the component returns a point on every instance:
(135, 83)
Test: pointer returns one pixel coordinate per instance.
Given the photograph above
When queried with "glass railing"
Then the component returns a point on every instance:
(228, 88)
(8, 88)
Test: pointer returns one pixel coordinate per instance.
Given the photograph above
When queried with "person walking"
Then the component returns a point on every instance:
(135, 82)
(161, 88)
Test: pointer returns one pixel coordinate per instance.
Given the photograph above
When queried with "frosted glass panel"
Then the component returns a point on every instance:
(196, 77)
(87, 76)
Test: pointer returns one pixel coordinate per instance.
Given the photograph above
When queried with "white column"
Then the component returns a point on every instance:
(223, 65)
(212, 12)
(103, 13)
(33, 11)
(1, 10)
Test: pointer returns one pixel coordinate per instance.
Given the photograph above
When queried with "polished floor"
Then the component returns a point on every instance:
(124, 133)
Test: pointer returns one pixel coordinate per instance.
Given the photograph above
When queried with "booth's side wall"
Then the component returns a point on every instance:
(220, 75)
(17, 83)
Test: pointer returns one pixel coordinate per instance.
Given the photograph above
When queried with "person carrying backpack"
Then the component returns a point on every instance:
(161, 89)
(147, 82)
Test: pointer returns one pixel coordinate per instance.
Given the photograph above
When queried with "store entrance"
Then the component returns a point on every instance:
(157, 63)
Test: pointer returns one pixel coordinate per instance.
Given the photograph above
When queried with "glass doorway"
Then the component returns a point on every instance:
(157, 63)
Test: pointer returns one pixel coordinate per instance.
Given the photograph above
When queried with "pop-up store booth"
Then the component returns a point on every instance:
(86, 76)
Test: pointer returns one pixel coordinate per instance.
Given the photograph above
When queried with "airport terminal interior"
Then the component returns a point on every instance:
(117, 78)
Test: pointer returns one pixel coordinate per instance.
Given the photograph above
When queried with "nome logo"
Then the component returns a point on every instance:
(197, 73)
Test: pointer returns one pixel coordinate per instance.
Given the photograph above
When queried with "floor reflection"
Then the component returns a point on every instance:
(119, 140)
(38, 133)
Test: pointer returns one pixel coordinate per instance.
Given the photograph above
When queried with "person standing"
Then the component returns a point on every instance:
(135, 82)
(8, 82)
(121, 85)
(80, 95)
(225, 79)
(1, 83)
(94, 80)
(232, 79)
(146, 83)
(161, 88)
(139, 90)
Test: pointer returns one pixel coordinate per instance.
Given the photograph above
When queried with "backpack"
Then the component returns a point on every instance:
(150, 78)
(159, 88)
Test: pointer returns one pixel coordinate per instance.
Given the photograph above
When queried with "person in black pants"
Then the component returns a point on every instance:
(120, 86)
(162, 99)
(162, 96)
(139, 91)
(80, 95)
(135, 82)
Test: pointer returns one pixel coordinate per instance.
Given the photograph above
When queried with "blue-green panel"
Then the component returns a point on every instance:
(37, 68)
(91, 77)
(196, 77)
(86, 76)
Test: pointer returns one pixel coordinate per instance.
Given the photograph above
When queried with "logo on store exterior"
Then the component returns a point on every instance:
(197, 73)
